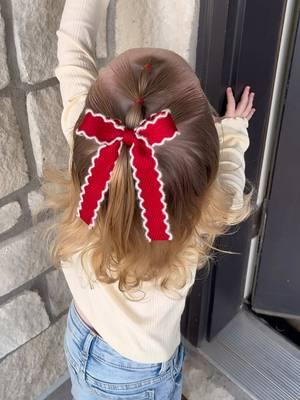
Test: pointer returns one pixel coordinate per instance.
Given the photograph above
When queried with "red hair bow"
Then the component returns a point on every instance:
(111, 134)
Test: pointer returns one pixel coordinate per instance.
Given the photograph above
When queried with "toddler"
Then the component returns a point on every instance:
(154, 176)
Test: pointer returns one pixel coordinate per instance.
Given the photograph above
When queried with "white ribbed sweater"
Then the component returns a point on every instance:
(148, 330)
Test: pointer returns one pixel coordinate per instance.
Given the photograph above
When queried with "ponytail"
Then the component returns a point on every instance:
(123, 200)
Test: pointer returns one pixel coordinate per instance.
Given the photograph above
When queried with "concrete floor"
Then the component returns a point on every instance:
(203, 381)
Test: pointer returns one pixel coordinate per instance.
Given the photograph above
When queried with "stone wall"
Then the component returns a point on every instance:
(34, 297)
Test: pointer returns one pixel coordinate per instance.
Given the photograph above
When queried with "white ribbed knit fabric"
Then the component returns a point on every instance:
(147, 330)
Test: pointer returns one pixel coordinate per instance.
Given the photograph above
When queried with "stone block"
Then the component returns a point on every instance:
(155, 23)
(34, 367)
(23, 257)
(58, 291)
(13, 166)
(25, 316)
(35, 201)
(9, 215)
(35, 23)
(50, 147)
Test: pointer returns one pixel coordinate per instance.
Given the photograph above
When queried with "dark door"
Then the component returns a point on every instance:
(277, 282)
(238, 44)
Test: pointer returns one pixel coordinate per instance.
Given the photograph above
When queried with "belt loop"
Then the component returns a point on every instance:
(85, 351)
(164, 366)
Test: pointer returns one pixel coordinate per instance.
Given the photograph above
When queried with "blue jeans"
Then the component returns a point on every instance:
(97, 371)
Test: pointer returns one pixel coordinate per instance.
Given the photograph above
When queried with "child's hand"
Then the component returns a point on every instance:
(244, 108)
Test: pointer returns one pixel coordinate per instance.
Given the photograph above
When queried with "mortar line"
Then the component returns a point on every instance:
(110, 30)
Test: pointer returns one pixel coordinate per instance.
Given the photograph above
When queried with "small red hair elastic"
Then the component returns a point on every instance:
(111, 135)
(148, 66)
(139, 100)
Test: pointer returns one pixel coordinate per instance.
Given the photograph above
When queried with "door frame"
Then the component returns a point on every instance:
(275, 284)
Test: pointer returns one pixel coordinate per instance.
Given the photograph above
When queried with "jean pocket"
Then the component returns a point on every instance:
(101, 374)
(118, 395)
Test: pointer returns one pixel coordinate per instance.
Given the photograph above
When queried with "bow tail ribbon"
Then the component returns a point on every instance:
(151, 195)
(96, 182)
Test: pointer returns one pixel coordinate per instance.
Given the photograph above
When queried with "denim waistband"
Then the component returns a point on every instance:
(80, 330)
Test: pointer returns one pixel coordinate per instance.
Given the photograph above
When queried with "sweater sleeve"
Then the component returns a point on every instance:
(76, 48)
(234, 141)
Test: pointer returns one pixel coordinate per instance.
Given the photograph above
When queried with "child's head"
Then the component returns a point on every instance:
(198, 205)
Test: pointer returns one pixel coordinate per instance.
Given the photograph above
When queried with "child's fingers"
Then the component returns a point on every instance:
(245, 106)
(244, 101)
(230, 107)
(251, 113)
(249, 105)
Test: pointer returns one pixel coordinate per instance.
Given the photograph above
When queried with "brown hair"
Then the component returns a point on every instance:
(198, 204)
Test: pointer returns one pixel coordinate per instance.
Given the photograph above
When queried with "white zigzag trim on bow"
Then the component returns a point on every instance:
(106, 119)
(82, 192)
(159, 115)
(176, 133)
(82, 133)
(166, 111)
(161, 187)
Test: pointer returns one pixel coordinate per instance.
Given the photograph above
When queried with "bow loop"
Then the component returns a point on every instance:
(158, 128)
(111, 134)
